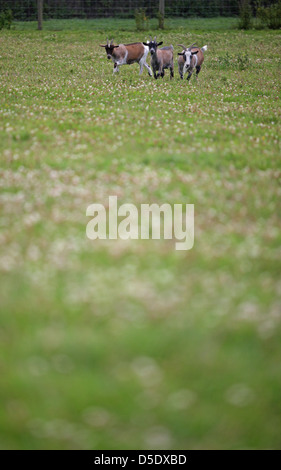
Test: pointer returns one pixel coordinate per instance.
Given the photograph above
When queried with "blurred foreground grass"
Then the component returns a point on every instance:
(132, 345)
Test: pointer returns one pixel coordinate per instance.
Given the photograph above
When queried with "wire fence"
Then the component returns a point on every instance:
(26, 10)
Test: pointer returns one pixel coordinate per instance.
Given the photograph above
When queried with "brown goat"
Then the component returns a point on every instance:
(190, 58)
(127, 54)
(161, 58)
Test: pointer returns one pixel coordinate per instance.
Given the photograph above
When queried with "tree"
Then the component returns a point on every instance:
(161, 14)
(245, 11)
(40, 14)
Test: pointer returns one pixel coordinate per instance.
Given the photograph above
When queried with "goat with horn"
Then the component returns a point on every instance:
(161, 58)
(127, 54)
(190, 58)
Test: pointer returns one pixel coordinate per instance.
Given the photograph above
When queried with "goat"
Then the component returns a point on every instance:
(161, 58)
(127, 54)
(191, 58)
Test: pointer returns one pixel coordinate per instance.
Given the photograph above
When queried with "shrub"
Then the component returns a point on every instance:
(245, 13)
(225, 61)
(6, 19)
(141, 19)
(243, 61)
(228, 61)
(270, 17)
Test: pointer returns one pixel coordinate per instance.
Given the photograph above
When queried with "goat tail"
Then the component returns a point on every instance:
(204, 49)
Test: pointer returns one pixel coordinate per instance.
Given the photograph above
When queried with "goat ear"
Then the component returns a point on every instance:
(146, 43)
(115, 46)
(160, 43)
(102, 45)
(194, 53)
(180, 53)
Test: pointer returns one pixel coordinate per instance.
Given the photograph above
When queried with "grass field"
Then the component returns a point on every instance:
(132, 345)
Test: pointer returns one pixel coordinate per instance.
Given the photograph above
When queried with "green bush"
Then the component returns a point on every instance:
(225, 62)
(245, 13)
(141, 19)
(243, 61)
(236, 61)
(270, 17)
(6, 19)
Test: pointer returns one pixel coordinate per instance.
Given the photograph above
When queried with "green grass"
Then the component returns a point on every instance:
(132, 345)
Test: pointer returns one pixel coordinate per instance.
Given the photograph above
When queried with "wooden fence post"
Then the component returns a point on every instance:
(40, 14)
(161, 14)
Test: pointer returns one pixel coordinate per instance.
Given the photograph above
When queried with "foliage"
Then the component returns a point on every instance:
(270, 16)
(6, 19)
(243, 61)
(141, 19)
(225, 61)
(245, 14)
(239, 61)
